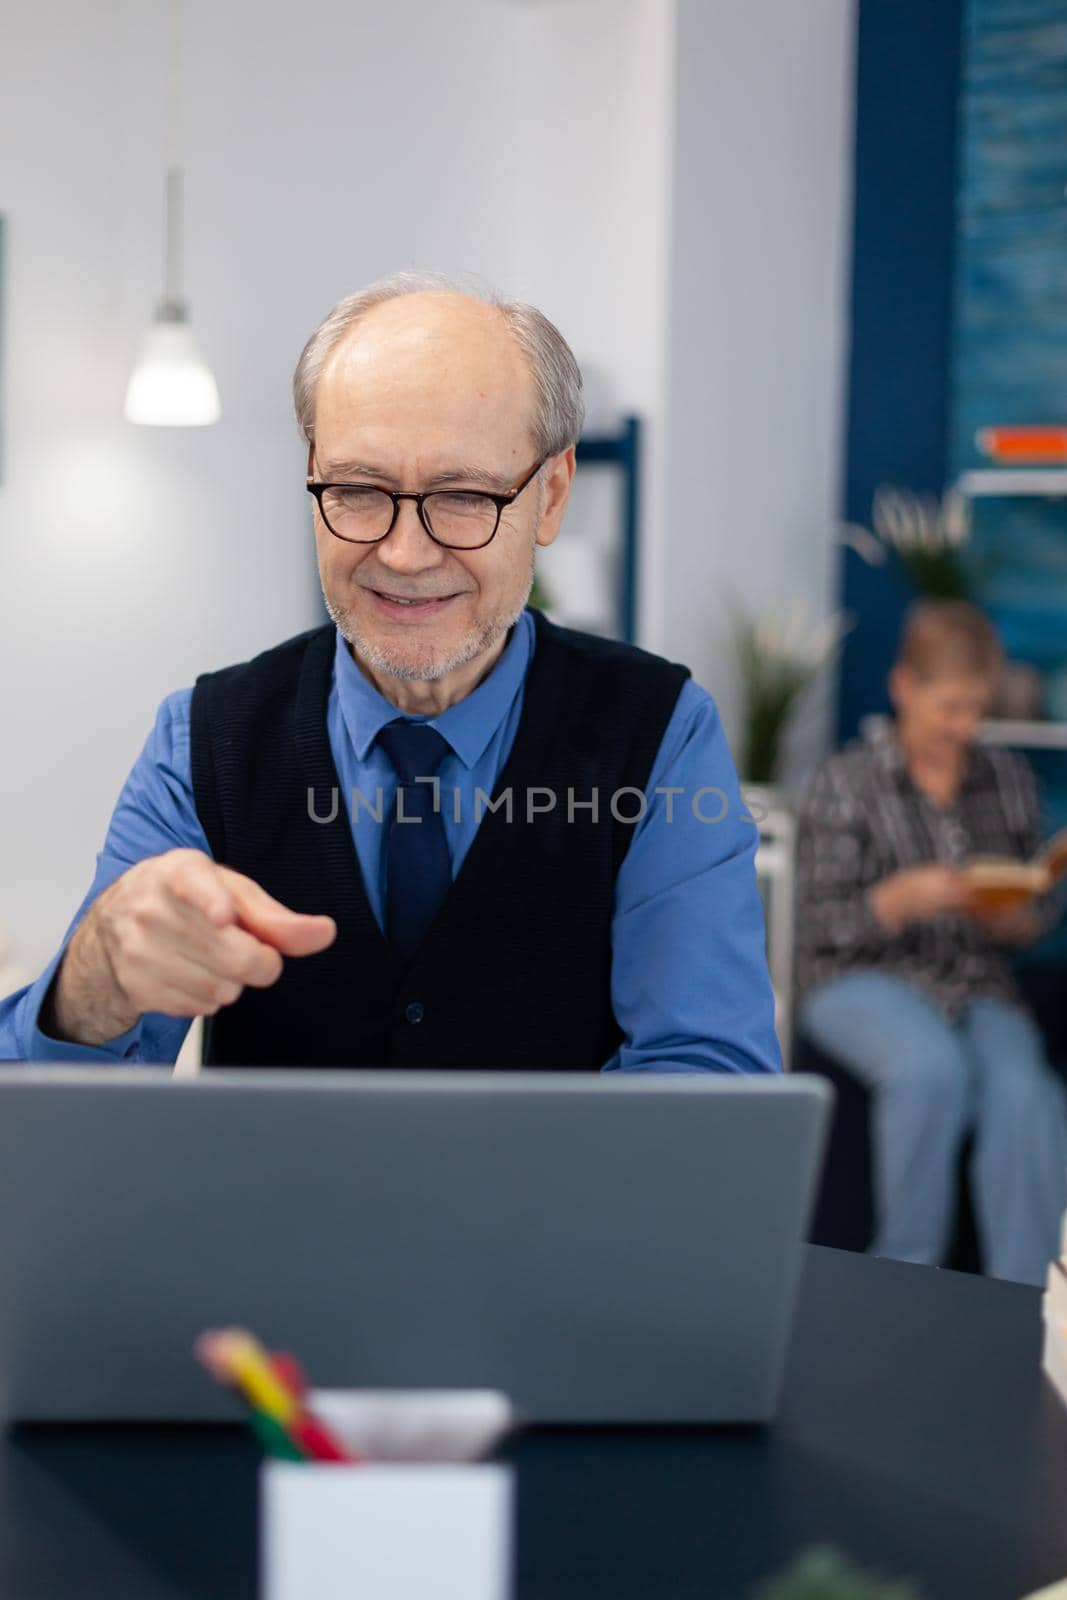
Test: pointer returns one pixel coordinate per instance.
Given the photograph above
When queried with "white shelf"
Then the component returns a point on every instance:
(1050, 482)
(1024, 735)
(775, 869)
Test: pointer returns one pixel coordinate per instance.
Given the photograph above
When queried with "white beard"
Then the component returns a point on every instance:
(420, 662)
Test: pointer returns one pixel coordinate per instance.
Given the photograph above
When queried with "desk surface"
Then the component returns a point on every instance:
(916, 1432)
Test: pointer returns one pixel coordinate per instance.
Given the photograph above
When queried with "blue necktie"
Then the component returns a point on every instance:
(418, 871)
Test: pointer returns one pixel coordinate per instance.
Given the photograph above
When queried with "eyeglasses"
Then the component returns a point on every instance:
(460, 519)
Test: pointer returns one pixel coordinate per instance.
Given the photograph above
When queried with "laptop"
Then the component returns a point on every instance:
(603, 1249)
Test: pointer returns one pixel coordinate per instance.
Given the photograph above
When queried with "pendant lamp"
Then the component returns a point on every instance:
(171, 383)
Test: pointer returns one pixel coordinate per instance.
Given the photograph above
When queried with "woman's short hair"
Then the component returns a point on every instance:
(950, 639)
(559, 410)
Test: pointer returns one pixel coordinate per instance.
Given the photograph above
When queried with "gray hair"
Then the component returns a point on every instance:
(559, 411)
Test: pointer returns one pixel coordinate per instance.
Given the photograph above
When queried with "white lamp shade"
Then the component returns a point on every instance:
(171, 384)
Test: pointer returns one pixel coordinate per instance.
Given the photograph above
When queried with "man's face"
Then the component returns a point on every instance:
(940, 716)
(431, 391)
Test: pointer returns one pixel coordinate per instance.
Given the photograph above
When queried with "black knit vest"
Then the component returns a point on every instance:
(515, 971)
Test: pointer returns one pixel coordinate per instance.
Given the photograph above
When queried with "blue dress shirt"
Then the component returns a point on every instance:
(689, 983)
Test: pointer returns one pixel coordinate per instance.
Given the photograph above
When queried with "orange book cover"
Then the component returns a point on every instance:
(1044, 444)
(999, 883)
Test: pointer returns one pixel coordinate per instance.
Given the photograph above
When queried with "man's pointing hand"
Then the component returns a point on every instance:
(177, 934)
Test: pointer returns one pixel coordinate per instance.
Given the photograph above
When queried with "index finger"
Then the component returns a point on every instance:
(294, 933)
(196, 881)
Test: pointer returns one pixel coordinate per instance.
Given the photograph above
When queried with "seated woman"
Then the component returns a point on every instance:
(906, 984)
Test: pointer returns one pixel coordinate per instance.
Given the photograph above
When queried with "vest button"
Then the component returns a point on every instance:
(414, 1011)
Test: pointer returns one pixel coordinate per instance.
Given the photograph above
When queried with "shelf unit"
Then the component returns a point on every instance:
(623, 451)
(776, 877)
(1044, 483)
(1048, 483)
(1024, 735)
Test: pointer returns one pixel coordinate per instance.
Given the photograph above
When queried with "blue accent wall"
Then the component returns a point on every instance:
(903, 262)
(959, 313)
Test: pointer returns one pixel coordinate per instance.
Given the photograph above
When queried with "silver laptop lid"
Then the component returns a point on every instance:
(601, 1248)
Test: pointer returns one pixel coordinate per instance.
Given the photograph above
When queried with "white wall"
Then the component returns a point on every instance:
(595, 154)
(758, 315)
(665, 177)
(324, 144)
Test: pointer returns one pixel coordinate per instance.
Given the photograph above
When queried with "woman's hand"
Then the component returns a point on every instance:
(918, 894)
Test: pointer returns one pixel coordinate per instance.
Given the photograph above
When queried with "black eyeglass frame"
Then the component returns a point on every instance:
(500, 501)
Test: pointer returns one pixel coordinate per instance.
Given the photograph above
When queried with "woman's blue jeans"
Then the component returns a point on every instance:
(932, 1080)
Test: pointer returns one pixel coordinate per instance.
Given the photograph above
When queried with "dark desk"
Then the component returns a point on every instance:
(916, 1433)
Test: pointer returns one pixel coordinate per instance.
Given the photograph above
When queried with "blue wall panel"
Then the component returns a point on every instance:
(904, 237)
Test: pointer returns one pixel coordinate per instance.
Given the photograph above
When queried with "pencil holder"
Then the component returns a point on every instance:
(416, 1518)
(389, 1532)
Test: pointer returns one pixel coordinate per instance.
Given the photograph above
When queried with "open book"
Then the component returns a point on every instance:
(999, 883)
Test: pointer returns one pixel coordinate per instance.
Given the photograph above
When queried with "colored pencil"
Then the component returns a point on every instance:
(274, 1388)
(273, 1439)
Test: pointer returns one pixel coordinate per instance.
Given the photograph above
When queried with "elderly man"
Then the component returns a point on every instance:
(907, 982)
(441, 832)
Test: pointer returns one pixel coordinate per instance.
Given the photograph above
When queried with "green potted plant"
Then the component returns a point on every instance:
(927, 538)
(824, 1574)
(778, 659)
(539, 595)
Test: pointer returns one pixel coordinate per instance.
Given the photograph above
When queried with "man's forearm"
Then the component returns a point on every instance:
(84, 1003)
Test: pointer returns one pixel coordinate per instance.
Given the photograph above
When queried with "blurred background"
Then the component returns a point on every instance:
(802, 248)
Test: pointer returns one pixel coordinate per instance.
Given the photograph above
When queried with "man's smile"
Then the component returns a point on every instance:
(409, 608)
